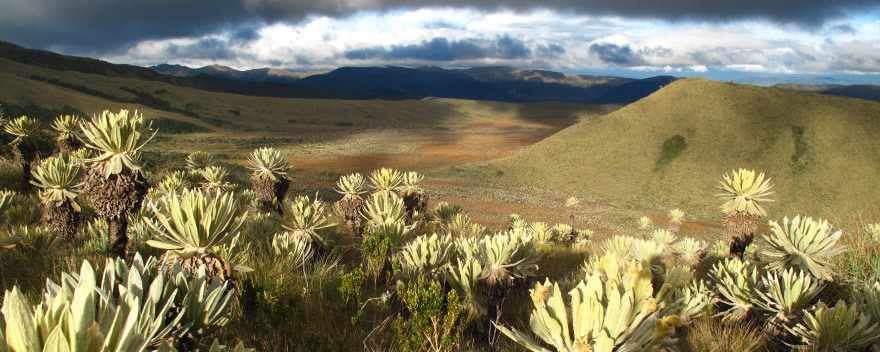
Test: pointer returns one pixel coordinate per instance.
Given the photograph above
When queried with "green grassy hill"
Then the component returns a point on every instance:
(671, 148)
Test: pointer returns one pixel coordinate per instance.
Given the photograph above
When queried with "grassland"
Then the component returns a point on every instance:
(821, 152)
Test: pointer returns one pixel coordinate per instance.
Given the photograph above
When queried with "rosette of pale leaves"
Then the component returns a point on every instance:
(192, 222)
(352, 185)
(648, 253)
(118, 138)
(381, 208)
(292, 248)
(23, 128)
(696, 298)
(743, 192)
(644, 222)
(66, 126)
(459, 225)
(199, 160)
(689, 250)
(804, 244)
(676, 216)
(614, 311)
(619, 245)
(268, 164)
(77, 315)
(737, 285)
(506, 256)
(306, 218)
(562, 230)
(426, 256)
(542, 233)
(869, 300)
(215, 178)
(838, 328)
(59, 179)
(463, 276)
(663, 237)
(386, 181)
(718, 250)
(786, 295)
(172, 183)
(445, 212)
(396, 231)
(412, 182)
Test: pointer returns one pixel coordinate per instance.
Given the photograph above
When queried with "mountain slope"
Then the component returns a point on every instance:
(405, 83)
(58, 62)
(860, 91)
(820, 151)
(255, 75)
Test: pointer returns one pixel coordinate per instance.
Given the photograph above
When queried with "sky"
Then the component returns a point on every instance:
(624, 37)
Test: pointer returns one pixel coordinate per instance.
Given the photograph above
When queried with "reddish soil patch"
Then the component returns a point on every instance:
(436, 149)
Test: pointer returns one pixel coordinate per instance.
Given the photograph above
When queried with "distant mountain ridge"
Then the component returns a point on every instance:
(503, 84)
(859, 91)
(255, 75)
(491, 83)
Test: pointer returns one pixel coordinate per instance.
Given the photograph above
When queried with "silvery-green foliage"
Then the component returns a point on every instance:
(381, 208)
(306, 218)
(463, 276)
(648, 253)
(34, 240)
(215, 178)
(173, 182)
(118, 138)
(386, 181)
(718, 251)
(663, 236)
(291, 248)
(199, 160)
(689, 250)
(697, 299)
(839, 328)
(805, 244)
(620, 246)
(609, 311)
(192, 222)
(260, 226)
(737, 284)
(787, 293)
(868, 299)
(506, 256)
(426, 256)
(396, 231)
(542, 233)
(79, 315)
(268, 164)
(445, 212)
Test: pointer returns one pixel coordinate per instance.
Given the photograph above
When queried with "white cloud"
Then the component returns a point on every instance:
(554, 40)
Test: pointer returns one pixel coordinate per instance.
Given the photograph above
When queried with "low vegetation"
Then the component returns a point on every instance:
(209, 253)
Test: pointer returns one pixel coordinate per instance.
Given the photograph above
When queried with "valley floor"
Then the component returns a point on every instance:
(321, 155)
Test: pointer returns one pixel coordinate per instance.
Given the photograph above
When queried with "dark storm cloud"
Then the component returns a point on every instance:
(441, 49)
(108, 25)
(616, 54)
(550, 51)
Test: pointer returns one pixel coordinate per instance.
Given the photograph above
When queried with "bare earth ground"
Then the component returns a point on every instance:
(432, 150)
(321, 155)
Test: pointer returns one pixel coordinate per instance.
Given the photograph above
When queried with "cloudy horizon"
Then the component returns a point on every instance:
(682, 37)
